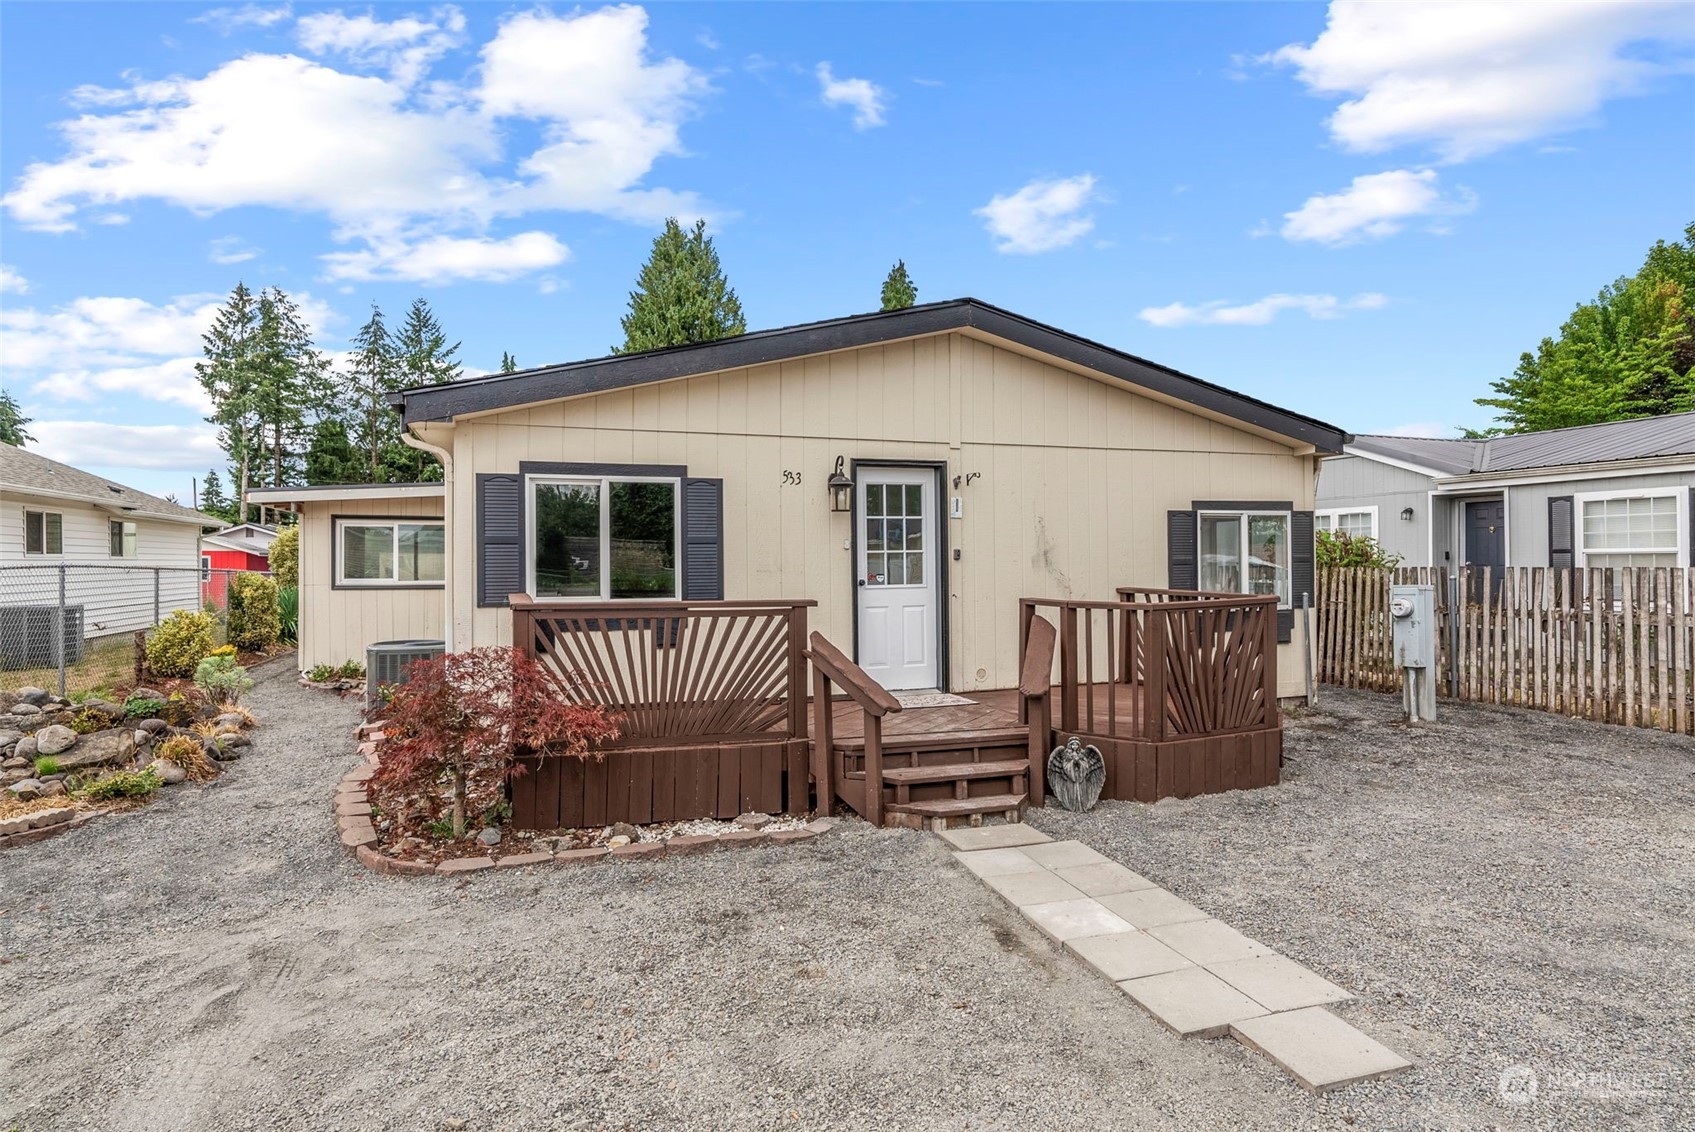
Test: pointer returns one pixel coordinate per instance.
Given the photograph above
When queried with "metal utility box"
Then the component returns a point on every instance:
(1412, 616)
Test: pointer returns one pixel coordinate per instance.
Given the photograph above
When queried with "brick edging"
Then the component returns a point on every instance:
(47, 823)
(359, 836)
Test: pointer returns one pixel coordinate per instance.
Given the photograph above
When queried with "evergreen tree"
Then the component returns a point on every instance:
(213, 501)
(899, 292)
(332, 457)
(12, 421)
(230, 374)
(373, 375)
(681, 295)
(293, 381)
(508, 364)
(1630, 353)
(422, 355)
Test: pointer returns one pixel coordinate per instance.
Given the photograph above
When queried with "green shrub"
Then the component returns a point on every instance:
(1338, 548)
(223, 650)
(285, 558)
(350, 670)
(321, 673)
(222, 679)
(177, 645)
(122, 784)
(252, 619)
(46, 765)
(288, 615)
(86, 722)
(142, 707)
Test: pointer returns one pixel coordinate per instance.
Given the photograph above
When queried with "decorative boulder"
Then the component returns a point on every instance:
(169, 772)
(101, 748)
(25, 749)
(1076, 775)
(25, 711)
(55, 739)
(154, 726)
(26, 791)
(111, 711)
(9, 738)
(489, 837)
(32, 695)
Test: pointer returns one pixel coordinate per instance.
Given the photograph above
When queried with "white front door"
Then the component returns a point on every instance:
(899, 566)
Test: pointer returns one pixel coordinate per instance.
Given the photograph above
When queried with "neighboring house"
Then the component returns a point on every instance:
(1602, 495)
(982, 458)
(245, 546)
(127, 557)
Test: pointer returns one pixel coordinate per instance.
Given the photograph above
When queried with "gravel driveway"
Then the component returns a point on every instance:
(215, 962)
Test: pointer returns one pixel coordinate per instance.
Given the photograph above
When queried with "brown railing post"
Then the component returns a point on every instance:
(823, 744)
(1153, 665)
(1035, 686)
(873, 769)
(1268, 615)
(797, 672)
(1068, 668)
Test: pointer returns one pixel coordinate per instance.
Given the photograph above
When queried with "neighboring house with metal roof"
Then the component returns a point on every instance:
(123, 557)
(1619, 493)
(913, 472)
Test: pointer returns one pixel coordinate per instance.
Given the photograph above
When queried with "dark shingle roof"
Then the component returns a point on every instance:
(1641, 439)
(25, 472)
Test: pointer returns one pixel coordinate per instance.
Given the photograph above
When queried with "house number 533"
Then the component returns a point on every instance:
(790, 478)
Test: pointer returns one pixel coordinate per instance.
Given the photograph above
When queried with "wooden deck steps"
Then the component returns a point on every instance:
(940, 811)
(907, 775)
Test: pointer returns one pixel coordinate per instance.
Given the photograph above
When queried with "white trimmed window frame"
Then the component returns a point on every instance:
(604, 483)
(342, 581)
(1679, 553)
(46, 551)
(123, 534)
(1334, 513)
(1289, 542)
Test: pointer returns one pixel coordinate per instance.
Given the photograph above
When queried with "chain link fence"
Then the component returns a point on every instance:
(74, 627)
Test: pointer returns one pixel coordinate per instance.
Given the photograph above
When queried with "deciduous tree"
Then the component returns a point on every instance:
(12, 421)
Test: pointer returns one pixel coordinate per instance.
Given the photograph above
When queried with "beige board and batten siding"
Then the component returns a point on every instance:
(337, 624)
(1076, 475)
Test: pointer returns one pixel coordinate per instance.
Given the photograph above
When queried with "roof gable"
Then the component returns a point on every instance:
(31, 473)
(548, 383)
(1644, 438)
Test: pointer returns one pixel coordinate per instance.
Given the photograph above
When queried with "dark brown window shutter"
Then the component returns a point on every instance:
(1182, 534)
(1561, 533)
(500, 537)
(703, 539)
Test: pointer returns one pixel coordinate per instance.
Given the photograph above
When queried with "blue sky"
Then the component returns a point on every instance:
(1361, 212)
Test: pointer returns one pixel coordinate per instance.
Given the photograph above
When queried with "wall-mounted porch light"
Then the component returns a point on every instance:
(841, 489)
(1406, 514)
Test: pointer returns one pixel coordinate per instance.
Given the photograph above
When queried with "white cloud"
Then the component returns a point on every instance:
(1474, 77)
(1372, 207)
(442, 259)
(11, 280)
(1221, 313)
(389, 158)
(866, 98)
(1042, 216)
(232, 249)
(406, 47)
(100, 444)
(228, 20)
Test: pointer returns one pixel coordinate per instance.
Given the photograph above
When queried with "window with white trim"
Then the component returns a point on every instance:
(205, 567)
(44, 532)
(1246, 552)
(1631, 529)
(121, 535)
(609, 538)
(1358, 523)
(389, 552)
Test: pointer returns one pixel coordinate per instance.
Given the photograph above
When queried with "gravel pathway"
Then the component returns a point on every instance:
(215, 962)
(1501, 889)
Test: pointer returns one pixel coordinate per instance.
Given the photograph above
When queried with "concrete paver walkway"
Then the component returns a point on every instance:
(1196, 975)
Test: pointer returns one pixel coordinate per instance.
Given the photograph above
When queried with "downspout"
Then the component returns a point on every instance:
(446, 458)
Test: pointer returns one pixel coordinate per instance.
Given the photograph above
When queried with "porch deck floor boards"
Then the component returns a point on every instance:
(993, 715)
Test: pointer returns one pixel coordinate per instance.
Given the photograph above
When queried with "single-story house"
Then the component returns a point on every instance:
(914, 473)
(1621, 493)
(118, 558)
(242, 547)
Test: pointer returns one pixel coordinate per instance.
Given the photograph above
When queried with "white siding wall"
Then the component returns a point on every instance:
(118, 600)
(337, 624)
(1076, 478)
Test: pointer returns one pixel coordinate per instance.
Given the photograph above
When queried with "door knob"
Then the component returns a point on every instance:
(862, 581)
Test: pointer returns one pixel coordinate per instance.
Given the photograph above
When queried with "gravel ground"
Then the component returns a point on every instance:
(215, 962)
(1502, 888)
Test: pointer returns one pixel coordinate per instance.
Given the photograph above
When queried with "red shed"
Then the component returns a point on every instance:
(246, 546)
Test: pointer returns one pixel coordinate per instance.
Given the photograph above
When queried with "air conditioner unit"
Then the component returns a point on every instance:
(26, 635)
(386, 661)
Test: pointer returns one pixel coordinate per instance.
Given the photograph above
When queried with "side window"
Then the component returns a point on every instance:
(44, 532)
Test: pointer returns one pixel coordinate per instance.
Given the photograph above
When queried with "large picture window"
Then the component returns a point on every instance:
(1246, 552)
(390, 552)
(1631, 530)
(603, 538)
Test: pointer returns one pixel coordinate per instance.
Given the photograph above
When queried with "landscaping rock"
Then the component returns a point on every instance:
(169, 772)
(154, 726)
(488, 837)
(25, 711)
(113, 712)
(26, 791)
(147, 694)
(753, 821)
(223, 752)
(235, 740)
(9, 738)
(625, 830)
(55, 739)
(54, 788)
(232, 719)
(34, 697)
(102, 748)
(25, 748)
(14, 764)
(142, 738)
(617, 841)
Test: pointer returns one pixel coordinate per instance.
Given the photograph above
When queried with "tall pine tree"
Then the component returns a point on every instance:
(373, 374)
(230, 373)
(293, 383)
(422, 356)
(213, 501)
(899, 292)
(681, 295)
(331, 458)
(508, 364)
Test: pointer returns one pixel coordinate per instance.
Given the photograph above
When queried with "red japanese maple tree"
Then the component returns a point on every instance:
(461, 718)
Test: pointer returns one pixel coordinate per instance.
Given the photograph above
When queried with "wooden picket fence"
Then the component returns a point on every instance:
(1617, 646)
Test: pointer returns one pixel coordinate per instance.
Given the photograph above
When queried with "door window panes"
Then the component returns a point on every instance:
(894, 534)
